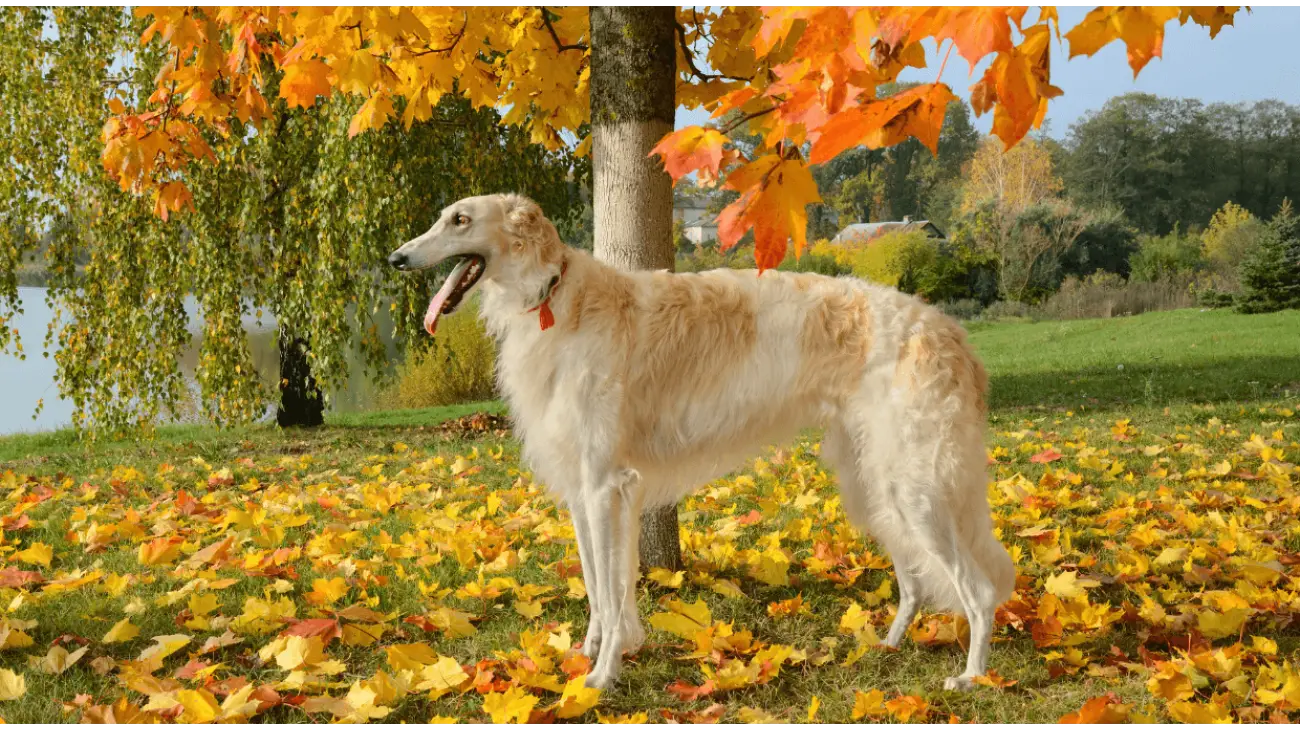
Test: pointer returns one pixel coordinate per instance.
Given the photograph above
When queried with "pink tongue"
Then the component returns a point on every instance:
(435, 305)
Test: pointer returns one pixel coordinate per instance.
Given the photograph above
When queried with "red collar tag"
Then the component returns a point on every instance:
(545, 317)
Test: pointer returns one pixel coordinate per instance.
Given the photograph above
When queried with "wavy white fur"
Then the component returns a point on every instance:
(651, 384)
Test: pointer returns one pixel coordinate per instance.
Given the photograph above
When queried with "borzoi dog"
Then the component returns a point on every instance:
(632, 389)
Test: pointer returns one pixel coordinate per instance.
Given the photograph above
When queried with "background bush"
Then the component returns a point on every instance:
(457, 368)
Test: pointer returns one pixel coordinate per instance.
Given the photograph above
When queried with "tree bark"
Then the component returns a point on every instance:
(633, 79)
(301, 402)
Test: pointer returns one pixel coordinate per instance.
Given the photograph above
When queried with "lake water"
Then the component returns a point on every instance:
(23, 383)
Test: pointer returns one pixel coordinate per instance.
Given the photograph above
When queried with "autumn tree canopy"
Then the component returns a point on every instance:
(804, 79)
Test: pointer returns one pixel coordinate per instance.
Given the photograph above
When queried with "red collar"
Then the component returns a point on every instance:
(545, 317)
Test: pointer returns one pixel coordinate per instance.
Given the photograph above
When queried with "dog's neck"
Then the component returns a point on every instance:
(505, 305)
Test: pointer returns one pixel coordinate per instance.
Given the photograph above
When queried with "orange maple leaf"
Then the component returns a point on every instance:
(776, 210)
(1210, 16)
(372, 115)
(690, 149)
(1046, 456)
(1104, 709)
(1141, 28)
(979, 31)
(687, 692)
(304, 81)
(917, 112)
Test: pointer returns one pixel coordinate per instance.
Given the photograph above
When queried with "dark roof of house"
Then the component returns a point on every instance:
(705, 222)
(868, 231)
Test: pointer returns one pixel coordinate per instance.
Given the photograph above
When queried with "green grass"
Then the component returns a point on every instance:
(1205, 378)
(1160, 358)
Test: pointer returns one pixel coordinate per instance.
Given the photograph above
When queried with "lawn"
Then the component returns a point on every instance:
(391, 568)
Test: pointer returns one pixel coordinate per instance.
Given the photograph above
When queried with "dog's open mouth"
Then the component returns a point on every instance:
(453, 290)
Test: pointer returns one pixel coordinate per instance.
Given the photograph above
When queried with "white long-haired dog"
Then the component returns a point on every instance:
(630, 390)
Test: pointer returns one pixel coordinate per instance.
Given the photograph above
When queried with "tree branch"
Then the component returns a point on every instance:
(746, 118)
(559, 46)
(690, 61)
(454, 41)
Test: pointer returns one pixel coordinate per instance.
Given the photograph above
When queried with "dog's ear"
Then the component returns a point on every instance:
(524, 218)
(527, 224)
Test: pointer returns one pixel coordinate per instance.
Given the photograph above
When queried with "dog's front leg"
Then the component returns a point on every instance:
(609, 513)
(582, 531)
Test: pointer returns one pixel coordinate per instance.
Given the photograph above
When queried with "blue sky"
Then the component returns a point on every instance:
(1256, 59)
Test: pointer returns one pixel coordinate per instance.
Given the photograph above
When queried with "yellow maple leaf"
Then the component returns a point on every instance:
(160, 551)
(1170, 683)
(38, 553)
(441, 677)
(326, 591)
(813, 706)
(667, 578)
(12, 686)
(577, 698)
(1199, 712)
(414, 657)
(514, 705)
(1068, 584)
(638, 718)
(577, 589)
(202, 604)
(1263, 645)
(57, 659)
(528, 609)
(240, 704)
(754, 715)
(200, 706)
(163, 647)
(868, 703)
(1217, 625)
(455, 624)
(683, 619)
(300, 651)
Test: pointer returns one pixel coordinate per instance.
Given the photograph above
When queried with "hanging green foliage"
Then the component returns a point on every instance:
(294, 224)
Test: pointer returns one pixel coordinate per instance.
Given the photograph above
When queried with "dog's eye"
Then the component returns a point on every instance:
(460, 219)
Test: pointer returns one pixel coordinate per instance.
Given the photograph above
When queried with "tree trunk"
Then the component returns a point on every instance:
(301, 403)
(633, 78)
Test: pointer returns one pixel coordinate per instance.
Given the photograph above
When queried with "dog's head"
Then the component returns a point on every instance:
(504, 239)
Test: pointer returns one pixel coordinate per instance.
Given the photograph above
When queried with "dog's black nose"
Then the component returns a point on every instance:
(397, 260)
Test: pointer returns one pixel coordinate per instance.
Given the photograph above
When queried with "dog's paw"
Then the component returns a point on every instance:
(591, 644)
(601, 679)
(958, 684)
(633, 637)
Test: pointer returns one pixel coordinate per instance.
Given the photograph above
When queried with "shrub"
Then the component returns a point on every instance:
(456, 368)
(813, 263)
(1007, 309)
(1215, 299)
(1105, 294)
(1106, 243)
(1233, 234)
(1172, 254)
(816, 259)
(962, 308)
(912, 261)
(1270, 275)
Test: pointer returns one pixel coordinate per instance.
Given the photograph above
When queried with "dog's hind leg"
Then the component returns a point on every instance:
(844, 448)
(909, 603)
(952, 576)
(633, 632)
